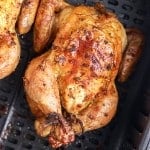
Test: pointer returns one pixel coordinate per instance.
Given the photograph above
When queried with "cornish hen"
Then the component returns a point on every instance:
(70, 89)
(9, 43)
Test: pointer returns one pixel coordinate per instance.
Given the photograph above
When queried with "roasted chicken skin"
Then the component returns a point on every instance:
(27, 15)
(45, 21)
(9, 44)
(72, 84)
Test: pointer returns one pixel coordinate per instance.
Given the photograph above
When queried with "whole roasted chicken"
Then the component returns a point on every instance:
(9, 43)
(71, 88)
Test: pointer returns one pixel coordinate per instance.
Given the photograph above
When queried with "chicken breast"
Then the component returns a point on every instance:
(72, 84)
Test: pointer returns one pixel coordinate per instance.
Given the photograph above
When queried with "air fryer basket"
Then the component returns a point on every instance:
(130, 128)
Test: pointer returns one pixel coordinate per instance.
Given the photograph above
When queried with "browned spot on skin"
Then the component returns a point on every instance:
(44, 84)
(85, 65)
(84, 84)
(60, 59)
(88, 35)
(106, 42)
(26, 3)
(90, 116)
(53, 119)
(96, 109)
(7, 38)
(105, 114)
(77, 78)
(79, 105)
(72, 61)
(108, 67)
(103, 104)
(70, 94)
(102, 93)
(73, 48)
(71, 118)
(87, 55)
(41, 67)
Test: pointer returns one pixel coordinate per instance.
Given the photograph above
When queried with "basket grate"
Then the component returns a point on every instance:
(16, 121)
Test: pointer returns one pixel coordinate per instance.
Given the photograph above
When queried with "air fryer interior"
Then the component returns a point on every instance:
(128, 130)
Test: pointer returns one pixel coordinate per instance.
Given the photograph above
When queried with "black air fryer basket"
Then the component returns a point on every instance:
(129, 129)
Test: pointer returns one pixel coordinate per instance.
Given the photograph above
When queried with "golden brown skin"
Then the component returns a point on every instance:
(44, 21)
(27, 15)
(132, 53)
(76, 76)
(9, 44)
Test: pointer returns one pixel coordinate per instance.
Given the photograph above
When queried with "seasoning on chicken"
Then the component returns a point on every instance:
(72, 84)
(9, 44)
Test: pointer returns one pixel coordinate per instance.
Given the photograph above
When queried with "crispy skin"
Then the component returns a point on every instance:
(44, 82)
(42, 106)
(9, 44)
(76, 75)
(44, 21)
(132, 53)
(27, 15)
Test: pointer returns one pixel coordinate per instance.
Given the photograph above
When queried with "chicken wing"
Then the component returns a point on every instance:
(44, 22)
(132, 53)
(27, 15)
